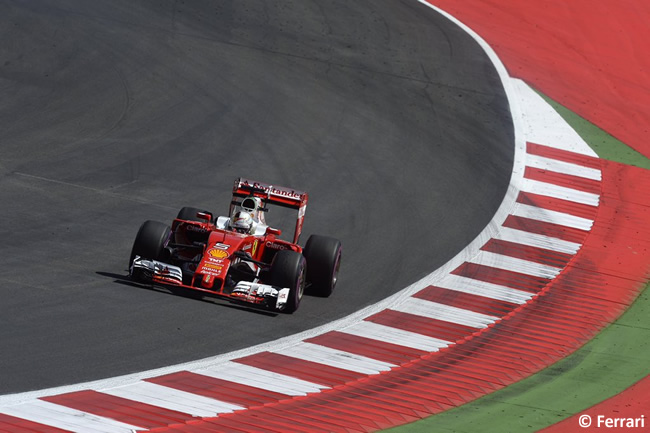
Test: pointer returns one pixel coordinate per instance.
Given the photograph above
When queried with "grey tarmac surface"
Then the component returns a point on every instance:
(112, 113)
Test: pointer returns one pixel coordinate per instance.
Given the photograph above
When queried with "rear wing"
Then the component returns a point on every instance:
(273, 194)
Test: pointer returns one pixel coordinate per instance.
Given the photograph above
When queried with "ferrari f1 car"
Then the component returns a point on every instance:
(238, 257)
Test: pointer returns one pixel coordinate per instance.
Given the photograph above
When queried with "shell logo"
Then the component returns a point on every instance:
(217, 253)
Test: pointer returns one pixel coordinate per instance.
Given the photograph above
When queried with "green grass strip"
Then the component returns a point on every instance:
(616, 359)
(605, 145)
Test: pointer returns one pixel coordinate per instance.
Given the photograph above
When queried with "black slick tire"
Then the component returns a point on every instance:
(150, 242)
(323, 256)
(288, 269)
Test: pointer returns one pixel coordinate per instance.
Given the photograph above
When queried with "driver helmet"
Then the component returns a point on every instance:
(242, 222)
(254, 206)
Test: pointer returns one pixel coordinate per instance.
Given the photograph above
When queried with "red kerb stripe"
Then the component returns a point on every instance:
(422, 325)
(467, 301)
(306, 370)
(515, 280)
(563, 179)
(547, 229)
(119, 409)
(218, 389)
(558, 205)
(13, 424)
(526, 252)
(563, 155)
(382, 351)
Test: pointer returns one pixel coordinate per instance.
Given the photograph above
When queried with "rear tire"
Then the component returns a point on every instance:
(150, 242)
(323, 256)
(288, 269)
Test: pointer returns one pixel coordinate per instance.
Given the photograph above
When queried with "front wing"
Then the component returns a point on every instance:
(258, 294)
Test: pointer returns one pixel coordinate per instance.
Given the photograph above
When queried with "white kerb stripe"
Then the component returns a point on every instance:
(336, 358)
(263, 379)
(173, 399)
(482, 288)
(537, 240)
(434, 310)
(561, 192)
(65, 418)
(543, 125)
(551, 216)
(388, 334)
(508, 263)
(563, 167)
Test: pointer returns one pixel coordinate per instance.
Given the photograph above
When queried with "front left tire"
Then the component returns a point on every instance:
(289, 269)
(150, 242)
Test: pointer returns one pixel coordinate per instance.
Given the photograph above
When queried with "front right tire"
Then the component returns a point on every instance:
(323, 256)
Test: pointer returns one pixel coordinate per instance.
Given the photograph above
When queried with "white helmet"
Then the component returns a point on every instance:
(241, 222)
(255, 207)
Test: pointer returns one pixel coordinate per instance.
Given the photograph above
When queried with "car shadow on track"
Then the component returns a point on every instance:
(184, 293)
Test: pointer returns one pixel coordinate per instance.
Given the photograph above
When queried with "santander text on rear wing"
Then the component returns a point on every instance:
(273, 194)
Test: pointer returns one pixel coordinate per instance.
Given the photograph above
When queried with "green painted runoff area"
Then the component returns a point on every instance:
(614, 360)
(606, 146)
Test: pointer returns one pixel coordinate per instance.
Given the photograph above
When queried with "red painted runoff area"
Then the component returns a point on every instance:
(591, 57)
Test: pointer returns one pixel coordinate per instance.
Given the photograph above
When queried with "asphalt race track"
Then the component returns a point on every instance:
(112, 113)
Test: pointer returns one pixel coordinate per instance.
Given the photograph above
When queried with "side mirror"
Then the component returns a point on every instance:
(272, 231)
(204, 216)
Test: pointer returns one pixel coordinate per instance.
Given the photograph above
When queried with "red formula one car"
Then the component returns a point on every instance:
(238, 257)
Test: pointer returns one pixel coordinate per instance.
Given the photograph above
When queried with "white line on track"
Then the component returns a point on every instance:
(172, 399)
(563, 167)
(259, 378)
(335, 358)
(537, 240)
(551, 216)
(65, 418)
(485, 289)
(447, 313)
(561, 192)
(513, 264)
(388, 334)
